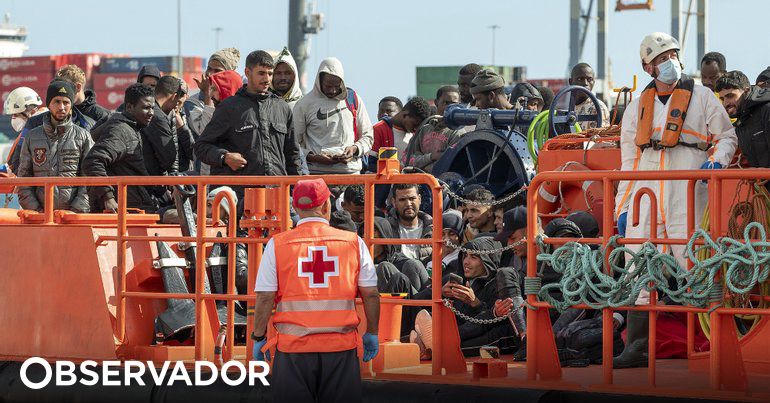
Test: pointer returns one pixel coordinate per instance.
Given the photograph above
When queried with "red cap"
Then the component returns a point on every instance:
(310, 193)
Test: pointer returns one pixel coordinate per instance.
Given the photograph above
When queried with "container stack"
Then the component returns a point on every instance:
(107, 74)
(34, 72)
(117, 73)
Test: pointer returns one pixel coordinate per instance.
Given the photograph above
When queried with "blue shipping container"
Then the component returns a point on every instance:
(133, 64)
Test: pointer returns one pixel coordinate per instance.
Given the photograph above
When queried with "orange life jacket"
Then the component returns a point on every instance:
(318, 268)
(672, 135)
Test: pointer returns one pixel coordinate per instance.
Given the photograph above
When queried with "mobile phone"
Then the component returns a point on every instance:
(454, 278)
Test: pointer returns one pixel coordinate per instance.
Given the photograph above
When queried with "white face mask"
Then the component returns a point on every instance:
(18, 123)
(669, 71)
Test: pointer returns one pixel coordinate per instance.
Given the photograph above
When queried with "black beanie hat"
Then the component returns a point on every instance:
(60, 88)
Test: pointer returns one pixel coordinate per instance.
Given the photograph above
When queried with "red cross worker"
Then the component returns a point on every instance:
(314, 273)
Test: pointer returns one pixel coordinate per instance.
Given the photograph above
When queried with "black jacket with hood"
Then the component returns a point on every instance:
(259, 127)
(159, 144)
(90, 108)
(485, 287)
(118, 152)
(753, 126)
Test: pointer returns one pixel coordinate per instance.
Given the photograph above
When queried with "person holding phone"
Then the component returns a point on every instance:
(474, 294)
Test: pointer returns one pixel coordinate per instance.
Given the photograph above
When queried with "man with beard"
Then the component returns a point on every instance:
(395, 271)
(409, 221)
(750, 106)
(488, 90)
(285, 78)
(56, 148)
(464, 80)
(251, 132)
(85, 100)
(583, 75)
(118, 152)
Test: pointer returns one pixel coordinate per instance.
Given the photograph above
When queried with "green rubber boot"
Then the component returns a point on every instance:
(634, 355)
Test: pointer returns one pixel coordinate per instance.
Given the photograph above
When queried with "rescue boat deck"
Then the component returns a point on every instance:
(674, 379)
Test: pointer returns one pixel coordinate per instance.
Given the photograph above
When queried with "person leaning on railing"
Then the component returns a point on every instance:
(56, 148)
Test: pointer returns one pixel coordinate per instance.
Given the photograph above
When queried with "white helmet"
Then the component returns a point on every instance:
(656, 43)
(19, 99)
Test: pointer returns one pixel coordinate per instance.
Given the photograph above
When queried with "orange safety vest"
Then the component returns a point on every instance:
(672, 135)
(318, 268)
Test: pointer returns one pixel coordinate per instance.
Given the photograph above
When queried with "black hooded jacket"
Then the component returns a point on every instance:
(753, 126)
(484, 287)
(259, 127)
(118, 152)
(159, 144)
(90, 108)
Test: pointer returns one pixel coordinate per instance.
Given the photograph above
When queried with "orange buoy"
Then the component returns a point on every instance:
(563, 197)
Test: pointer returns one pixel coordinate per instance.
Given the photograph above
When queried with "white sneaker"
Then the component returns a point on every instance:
(423, 324)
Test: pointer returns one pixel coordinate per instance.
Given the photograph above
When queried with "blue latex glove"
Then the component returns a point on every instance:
(622, 221)
(258, 354)
(371, 346)
(711, 165)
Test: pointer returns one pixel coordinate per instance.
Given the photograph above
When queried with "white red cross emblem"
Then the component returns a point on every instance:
(318, 266)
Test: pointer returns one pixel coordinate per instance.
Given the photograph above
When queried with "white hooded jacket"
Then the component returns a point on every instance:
(325, 125)
(295, 93)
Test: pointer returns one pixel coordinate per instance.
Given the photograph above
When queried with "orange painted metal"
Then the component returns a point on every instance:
(123, 294)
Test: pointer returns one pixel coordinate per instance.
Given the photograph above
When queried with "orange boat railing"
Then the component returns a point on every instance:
(725, 369)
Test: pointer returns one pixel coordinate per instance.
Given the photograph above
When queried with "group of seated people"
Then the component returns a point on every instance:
(485, 285)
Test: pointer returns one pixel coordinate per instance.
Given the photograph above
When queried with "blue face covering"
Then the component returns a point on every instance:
(669, 71)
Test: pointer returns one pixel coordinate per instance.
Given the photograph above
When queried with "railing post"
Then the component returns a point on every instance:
(438, 308)
(201, 338)
(120, 319)
(49, 203)
(608, 327)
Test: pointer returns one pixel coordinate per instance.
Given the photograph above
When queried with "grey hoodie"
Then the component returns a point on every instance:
(295, 93)
(325, 125)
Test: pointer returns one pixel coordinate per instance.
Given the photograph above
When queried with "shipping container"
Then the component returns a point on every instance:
(11, 80)
(26, 64)
(164, 63)
(113, 81)
(110, 99)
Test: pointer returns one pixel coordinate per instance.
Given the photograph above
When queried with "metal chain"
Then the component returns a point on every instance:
(477, 203)
(485, 252)
(448, 304)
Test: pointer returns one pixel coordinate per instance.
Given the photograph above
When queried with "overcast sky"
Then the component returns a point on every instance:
(381, 42)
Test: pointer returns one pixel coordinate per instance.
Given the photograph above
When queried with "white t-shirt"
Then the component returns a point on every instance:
(411, 251)
(267, 278)
(401, 140)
